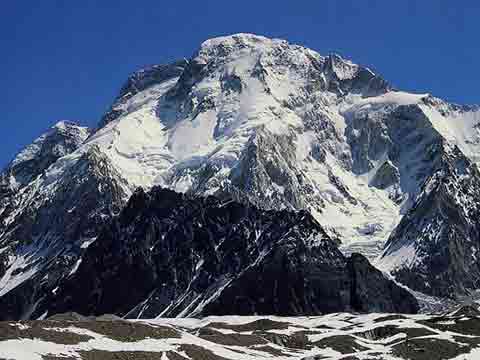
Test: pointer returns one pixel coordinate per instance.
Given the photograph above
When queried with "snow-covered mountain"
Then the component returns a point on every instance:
(265, 122)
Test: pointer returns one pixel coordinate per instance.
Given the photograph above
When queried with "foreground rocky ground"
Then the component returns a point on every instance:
(453, 335)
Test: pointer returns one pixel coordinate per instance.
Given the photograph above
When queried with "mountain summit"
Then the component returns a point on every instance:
(387, 173)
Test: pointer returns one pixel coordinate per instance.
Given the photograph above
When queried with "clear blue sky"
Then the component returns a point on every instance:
(67, 59)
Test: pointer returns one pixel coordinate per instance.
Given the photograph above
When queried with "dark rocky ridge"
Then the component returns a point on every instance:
(170, 254)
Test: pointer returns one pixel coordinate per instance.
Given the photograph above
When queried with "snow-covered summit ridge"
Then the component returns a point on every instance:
(344, 68)
(260, 46)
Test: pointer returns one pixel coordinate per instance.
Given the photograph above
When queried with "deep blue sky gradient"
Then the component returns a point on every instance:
(67, 59)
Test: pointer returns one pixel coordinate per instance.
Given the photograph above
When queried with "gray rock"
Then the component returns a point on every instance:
(442, 229)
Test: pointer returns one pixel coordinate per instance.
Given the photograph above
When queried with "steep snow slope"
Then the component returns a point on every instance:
(136, 143)
(459, 125)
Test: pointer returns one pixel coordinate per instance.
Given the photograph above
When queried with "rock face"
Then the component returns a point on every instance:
(173, 255)
(369, 287)
(271, 125)
(434, 248)
(139, 81)
(62, 139)
(49, 223)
